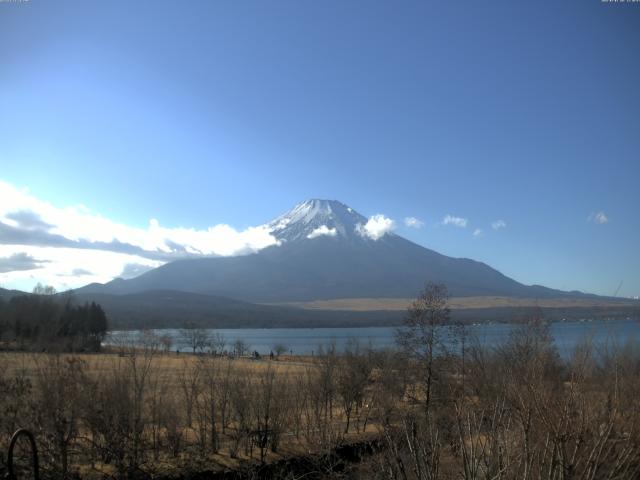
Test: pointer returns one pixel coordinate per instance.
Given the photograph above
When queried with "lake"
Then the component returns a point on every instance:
(306, 341)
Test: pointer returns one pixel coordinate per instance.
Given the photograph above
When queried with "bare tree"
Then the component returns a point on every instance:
(148, 339)
(190, 384)
(320, 384)
(269, 408)
(171, 424)
(352, 378)
(240, 347)
(239, 400)
(40, 289)
(213, 394)
(17, 388)
(415, 443)
(217, 342)
(116, 410)
(198, 339)
(166, 341)
(279, 348)
(59, 382)
(422, 335)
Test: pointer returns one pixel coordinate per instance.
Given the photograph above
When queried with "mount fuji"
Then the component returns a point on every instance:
(326, 250)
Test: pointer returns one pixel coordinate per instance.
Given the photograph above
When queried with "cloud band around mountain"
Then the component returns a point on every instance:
(31, 228)
(26, 220)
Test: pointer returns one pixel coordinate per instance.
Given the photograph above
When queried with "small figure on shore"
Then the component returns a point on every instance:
(271, 355)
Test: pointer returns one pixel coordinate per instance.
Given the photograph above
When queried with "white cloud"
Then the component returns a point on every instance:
(498, 224)
(599, 218)
(478, 232)
(376, 227)
(219, 239)
(132, 270)
(19, 261)
(413, 222)
(78, 272)
(78, 223)
(67, 268)
(74, 238)
(323, 230)
(456, 221)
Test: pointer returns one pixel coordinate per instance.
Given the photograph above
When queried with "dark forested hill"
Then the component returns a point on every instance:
(174, 309)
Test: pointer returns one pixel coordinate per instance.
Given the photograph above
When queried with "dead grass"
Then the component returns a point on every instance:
(459, 303)
(171, 368)
(170, 364)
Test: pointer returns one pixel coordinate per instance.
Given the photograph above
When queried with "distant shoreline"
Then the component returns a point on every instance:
(340, 319)
(457, 303)
(633, 317)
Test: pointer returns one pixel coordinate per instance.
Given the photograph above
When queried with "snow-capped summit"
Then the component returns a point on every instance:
(317, 218)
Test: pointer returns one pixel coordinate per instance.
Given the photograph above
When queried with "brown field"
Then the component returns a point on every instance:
(455, 303)
(516, 411)
(156, 381)
(171, 365)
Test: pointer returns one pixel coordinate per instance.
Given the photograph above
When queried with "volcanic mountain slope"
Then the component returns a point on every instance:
(325, 252)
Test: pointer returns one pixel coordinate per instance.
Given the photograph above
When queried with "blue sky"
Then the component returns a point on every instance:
(205, 113)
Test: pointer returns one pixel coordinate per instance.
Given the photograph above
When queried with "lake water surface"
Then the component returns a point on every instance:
(306, 341)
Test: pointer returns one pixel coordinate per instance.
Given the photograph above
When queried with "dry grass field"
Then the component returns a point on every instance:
(457, 303)
(170, 413)
(169, 365)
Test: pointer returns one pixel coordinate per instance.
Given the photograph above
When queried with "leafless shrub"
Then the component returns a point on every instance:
(116, 414)
(15, 410)
(352, 380)
(56, 407)
(240, 429)
(321, 430)
(269, 407)
(190, 385)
